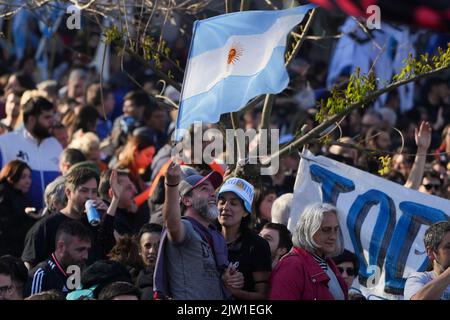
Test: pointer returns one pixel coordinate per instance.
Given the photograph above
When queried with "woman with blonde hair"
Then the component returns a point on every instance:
(89, 145)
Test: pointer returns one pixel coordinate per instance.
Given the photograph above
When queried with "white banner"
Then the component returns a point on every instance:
(382, 222)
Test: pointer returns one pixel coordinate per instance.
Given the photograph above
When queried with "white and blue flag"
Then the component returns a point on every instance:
(234, 58)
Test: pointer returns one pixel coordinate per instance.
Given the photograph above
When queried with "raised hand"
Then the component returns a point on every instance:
(173, 173)
(116, 188)
(423, 136)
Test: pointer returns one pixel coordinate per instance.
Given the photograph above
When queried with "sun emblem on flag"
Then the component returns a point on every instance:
(234, 53)
(240, 185)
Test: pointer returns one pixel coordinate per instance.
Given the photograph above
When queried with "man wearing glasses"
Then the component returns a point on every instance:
(7, 287)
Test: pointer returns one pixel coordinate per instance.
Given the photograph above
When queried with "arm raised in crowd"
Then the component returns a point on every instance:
(171, 209)
(434, 289)
(423, 141)
(106, 231)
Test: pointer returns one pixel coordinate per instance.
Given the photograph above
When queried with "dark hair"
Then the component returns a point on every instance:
(93, 94)
(24, 80)
(118, 288)
(5, 269)
(152, 108)
(87, 116)
(72, 156)
(81, 175)
(103, 187)
(18, 270)
(16, 93)
(395, 176)
(149, 228)
(139, 98)
(12, 171)
(141, 139)
(261, 191)
(347, 256)
(103, 272)
(431, 174)
(434, 234)
(35, 106)
(73, 228)
(283, 232)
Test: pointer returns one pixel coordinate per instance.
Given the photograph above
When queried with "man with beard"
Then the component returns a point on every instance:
(80, 186)
(73, 242)
(33, 145)
(129, 218)
(192, 261)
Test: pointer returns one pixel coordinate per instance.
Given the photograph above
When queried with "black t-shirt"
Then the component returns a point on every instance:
(130, 223)
(40, 240)
(144, 282)
(253, 254)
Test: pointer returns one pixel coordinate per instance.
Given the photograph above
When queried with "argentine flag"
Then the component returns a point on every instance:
(232, 59)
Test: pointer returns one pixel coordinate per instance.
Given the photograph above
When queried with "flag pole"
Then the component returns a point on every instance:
(180, 109)
(235, 115)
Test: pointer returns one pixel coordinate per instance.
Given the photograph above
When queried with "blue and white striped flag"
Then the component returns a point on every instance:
(234, 58)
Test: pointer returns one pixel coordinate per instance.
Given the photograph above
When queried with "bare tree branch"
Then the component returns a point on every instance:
(316, 131)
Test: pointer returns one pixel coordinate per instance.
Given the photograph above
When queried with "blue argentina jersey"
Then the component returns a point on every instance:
(42, 158)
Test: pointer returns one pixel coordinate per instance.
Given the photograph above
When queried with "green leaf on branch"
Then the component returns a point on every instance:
(360, 86)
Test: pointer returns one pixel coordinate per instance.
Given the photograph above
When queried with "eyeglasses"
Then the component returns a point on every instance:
(5, 290)
(349, 271)
(430, 186)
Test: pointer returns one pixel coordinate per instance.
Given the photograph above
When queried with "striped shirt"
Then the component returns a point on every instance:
(45, 276)
(322, 262)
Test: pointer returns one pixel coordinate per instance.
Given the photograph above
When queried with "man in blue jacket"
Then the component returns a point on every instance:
(34, 145)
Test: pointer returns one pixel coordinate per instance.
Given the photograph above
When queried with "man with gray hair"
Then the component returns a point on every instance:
(281, 209)
(307, 272)
(434, 284)
(55, 196)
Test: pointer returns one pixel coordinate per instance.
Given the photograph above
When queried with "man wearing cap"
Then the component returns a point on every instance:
(193, 259)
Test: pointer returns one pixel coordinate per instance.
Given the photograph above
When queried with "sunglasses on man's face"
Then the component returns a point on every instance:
(430, 186)
(350, 271)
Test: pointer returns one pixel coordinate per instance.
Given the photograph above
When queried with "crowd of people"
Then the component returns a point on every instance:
(176, 230)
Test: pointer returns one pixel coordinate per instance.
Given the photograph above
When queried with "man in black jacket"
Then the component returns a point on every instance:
(73, 242)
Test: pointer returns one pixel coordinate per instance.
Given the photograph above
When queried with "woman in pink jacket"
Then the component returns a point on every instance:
(307, 272)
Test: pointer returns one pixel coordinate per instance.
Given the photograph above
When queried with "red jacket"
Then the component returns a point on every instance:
(299, 277)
